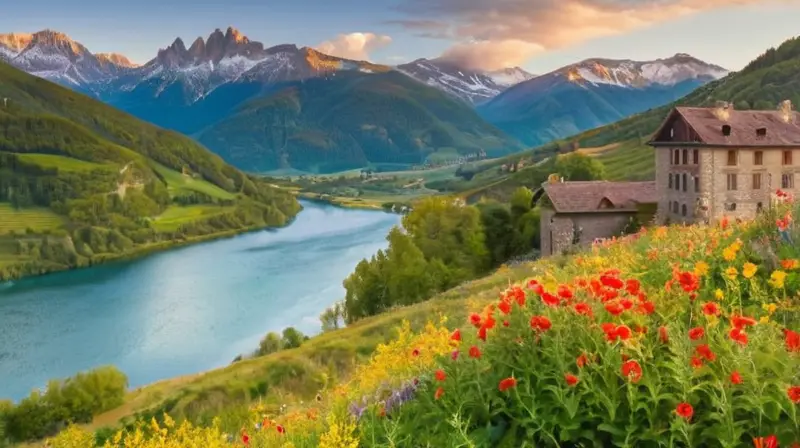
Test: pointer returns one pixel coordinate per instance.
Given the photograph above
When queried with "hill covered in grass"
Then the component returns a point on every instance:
(348, 121)
(639, 341)
(82, 182)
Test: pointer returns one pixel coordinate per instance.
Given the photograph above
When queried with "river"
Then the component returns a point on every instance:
(185, 310)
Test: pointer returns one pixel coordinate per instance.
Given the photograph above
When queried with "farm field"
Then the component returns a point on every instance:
(178, 183)
(17, 220)
(175, 215)
(62, 163)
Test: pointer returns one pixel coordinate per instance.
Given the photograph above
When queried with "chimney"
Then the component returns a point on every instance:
(785, 109)
(722, 110)
(726, 130)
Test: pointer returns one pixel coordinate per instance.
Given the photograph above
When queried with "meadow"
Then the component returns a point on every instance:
(674, 336)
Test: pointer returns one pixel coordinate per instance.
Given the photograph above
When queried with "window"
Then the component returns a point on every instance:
(671, 132)
(732, 156)
(759, 207)
(696, 184)
(695, 156)
(684, 182)
(758, 158)
(670, 181)
(787, 157)
(683, 210)
(677, 182)
(731, 182)
(787, 180)
(756, 181)
(676, 157)
(675, 207)
(731, 206)
(685, 156)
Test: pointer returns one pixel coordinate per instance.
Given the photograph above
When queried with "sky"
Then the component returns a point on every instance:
(537, 35)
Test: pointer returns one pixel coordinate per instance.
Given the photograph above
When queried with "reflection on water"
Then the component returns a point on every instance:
(184, 310)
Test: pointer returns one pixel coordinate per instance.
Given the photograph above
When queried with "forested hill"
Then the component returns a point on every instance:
(81, 182)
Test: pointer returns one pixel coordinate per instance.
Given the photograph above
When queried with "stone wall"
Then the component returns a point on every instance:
(557, 229)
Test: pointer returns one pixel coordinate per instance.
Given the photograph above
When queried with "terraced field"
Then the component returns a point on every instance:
(175, 215)
(178, 183)
(629, 160)
(38, 219)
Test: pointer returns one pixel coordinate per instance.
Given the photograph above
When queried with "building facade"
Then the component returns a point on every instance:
(578, 213)
(720, 162)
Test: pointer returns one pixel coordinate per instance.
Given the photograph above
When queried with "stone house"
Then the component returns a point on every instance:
(717, 161)
(582, 212)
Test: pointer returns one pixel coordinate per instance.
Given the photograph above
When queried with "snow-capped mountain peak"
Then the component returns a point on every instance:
(116, 59)
(626, 73)
(470, 85)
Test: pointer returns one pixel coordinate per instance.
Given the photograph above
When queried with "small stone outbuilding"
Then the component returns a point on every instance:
(582, 212)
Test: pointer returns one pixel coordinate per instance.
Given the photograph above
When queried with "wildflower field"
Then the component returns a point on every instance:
(675, 336)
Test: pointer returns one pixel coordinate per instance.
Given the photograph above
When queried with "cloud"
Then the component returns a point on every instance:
(355, 46)
(482, 27)
(424, 28)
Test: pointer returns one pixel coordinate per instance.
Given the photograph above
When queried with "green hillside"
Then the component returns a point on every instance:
(324, 125)
(81, 182)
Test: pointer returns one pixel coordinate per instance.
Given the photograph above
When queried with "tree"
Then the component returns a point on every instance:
(332, 317)
(408, 281)
(579, 167)
(292, 338)
(499, 231)
(271, 343)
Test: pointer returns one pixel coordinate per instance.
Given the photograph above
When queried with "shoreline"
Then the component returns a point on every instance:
(345, 202)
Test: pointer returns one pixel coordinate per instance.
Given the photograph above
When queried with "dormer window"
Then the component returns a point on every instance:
(726, 130)
(761, 132)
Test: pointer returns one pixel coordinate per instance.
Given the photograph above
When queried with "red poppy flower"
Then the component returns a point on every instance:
(646, 307)
(581, 361)
(738, 335)
(689, 281)
(792, 341)
(696, 333)
(456, 336)
(710, 309)
(663, 335)
(506, 323)
(489, 322)
(705, 351)
(571, 379)
(742, 321)
(765, 442)
(736, 378)
(504, 306)
(482, 333)
(540, 323)
(439, 393)
(536, 288)
(474, 352)
(632, 370)
(280, 429)
(608, 294)
(626, 303)
(611, 281)
(245, 439)
(623, 332)
(454, 355)
(550, 300)
(685, 410)
(632, 286)
(564, 292)
(614, 308)
(794, 394)
(475, 319)
(583, 308)
(415, 352)
(440, 375)
(507, 383)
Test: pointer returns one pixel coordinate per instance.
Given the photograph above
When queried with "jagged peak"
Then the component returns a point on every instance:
(16, 41)
(233, 34)
(116, 59)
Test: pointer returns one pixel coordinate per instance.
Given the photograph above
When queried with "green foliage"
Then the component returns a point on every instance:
(271, 343)
(69, 162)
(579, 167)
(74, 400)
(292, 338)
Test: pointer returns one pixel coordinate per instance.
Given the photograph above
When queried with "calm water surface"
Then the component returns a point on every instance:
(184, 310)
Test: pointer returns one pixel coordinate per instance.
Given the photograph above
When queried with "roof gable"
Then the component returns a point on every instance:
(599, 196)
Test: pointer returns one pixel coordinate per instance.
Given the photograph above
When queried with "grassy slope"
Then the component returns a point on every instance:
(327, 125)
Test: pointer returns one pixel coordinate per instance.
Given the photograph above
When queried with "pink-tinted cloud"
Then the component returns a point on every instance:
(357, 46)
(539, 25)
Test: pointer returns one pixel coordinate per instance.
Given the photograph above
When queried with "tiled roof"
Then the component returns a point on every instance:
(582, 197)
(744, 124)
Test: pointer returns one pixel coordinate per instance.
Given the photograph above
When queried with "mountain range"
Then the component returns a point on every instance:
(203, 90)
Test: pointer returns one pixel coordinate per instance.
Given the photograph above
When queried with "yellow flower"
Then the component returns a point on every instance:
(777, 278)
(729, 253)
(731, 273)
(749, 270)
(718, 294)
(770, 307)
(764, 320)
(700, 268)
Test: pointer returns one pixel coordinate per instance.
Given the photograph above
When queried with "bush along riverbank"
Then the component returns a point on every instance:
(673, 336)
